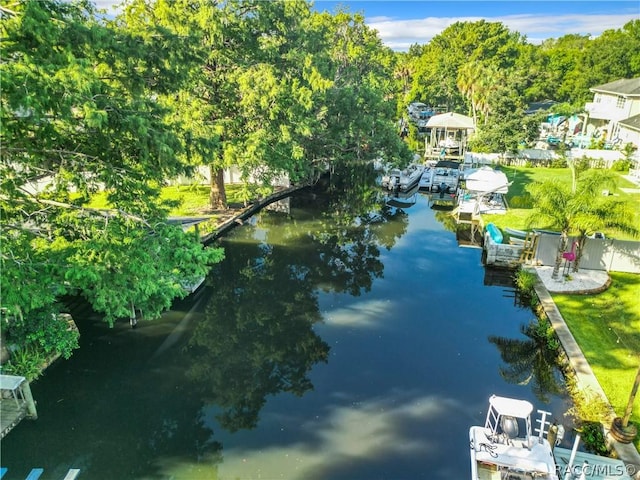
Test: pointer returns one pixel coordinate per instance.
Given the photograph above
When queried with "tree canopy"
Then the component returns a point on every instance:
(126, 104)
(80, 114)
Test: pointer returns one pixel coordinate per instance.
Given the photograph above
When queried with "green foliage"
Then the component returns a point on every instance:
(621, 166)
(525, 281)
(43, 330)
(84, 109)
(588, 411)
(559, 162)
(581, 209)
(521, 201)
(593, 438)
(25, 362)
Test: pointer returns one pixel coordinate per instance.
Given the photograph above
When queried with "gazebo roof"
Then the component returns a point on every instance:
(451, 121)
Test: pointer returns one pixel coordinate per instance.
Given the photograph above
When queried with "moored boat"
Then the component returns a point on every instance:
(403, 180)
(506, 447)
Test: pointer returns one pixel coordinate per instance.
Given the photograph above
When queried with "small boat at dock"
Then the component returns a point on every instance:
(403, 180)
(509, 447)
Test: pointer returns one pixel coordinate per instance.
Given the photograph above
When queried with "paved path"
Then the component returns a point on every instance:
(587, 281)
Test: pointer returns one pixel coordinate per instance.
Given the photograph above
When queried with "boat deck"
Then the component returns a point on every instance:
(537, 459)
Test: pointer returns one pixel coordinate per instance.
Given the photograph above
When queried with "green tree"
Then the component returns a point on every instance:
(80, 113)
(437, 69)
(506, 126)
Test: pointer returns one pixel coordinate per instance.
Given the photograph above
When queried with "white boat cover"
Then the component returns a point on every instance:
(486, 179)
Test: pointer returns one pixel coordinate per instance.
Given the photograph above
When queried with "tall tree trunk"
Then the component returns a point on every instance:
(217, 193)
(634, 390)
(561, 249)
(581, 242)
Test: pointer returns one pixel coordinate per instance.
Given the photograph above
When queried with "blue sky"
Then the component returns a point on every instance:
(403, 23)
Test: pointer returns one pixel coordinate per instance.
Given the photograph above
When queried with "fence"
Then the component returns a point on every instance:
(597, 254)
(541, 157)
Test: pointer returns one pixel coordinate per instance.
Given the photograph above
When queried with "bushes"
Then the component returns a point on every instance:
(621, 166)
(25, 362)
(525, 282)
(42, 329)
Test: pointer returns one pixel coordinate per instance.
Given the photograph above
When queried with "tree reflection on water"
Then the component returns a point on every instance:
(256, 338)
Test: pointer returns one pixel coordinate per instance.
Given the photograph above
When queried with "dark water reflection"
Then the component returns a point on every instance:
(345, 339)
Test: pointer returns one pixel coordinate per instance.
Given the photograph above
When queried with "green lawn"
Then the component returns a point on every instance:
(520, 210)
(607, 328)
(192, 200)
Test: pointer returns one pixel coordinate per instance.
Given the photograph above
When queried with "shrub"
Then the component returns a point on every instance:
(621, 166)
(46, 330)
(525, 281)
(593, 438)
(25, 362)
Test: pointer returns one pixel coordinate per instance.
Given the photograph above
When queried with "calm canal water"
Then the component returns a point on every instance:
(346, 339)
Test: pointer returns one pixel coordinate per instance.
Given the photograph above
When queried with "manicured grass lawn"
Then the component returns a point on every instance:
(520, 210)
(607, 328)
(192, 200)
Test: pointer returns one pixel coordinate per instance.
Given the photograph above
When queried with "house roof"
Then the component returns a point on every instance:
(540, 106)
(628, 87)
(632, 123)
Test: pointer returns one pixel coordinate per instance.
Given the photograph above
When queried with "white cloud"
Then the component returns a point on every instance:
(401, 34)
(361, 314)
(346, 435)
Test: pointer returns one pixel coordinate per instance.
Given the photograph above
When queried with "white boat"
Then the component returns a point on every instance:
(443, 176)
(403, 180)
(391, 179)
(506, 447)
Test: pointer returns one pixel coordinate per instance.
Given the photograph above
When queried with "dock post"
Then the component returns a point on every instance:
(31, 404)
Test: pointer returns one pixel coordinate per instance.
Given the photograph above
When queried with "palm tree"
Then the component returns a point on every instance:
(532, 360)
(580, 209)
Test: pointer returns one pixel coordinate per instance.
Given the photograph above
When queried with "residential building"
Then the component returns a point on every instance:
(614, 114)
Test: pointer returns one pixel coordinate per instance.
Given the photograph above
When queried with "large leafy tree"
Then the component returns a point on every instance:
(355, 118)
(280, 91)
(474, 43)
(80, 113)
(580, 209)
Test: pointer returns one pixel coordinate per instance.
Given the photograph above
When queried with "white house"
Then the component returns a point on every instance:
(614, 114)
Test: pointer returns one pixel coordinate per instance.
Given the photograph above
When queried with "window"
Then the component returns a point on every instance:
(620, 102)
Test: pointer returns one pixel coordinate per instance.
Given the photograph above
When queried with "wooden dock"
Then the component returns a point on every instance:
(16, 402)
(11, 414)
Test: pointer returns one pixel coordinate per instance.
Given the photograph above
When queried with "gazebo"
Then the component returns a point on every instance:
(448, 134)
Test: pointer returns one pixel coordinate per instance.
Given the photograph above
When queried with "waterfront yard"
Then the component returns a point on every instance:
(607, 328)
(520, 206)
